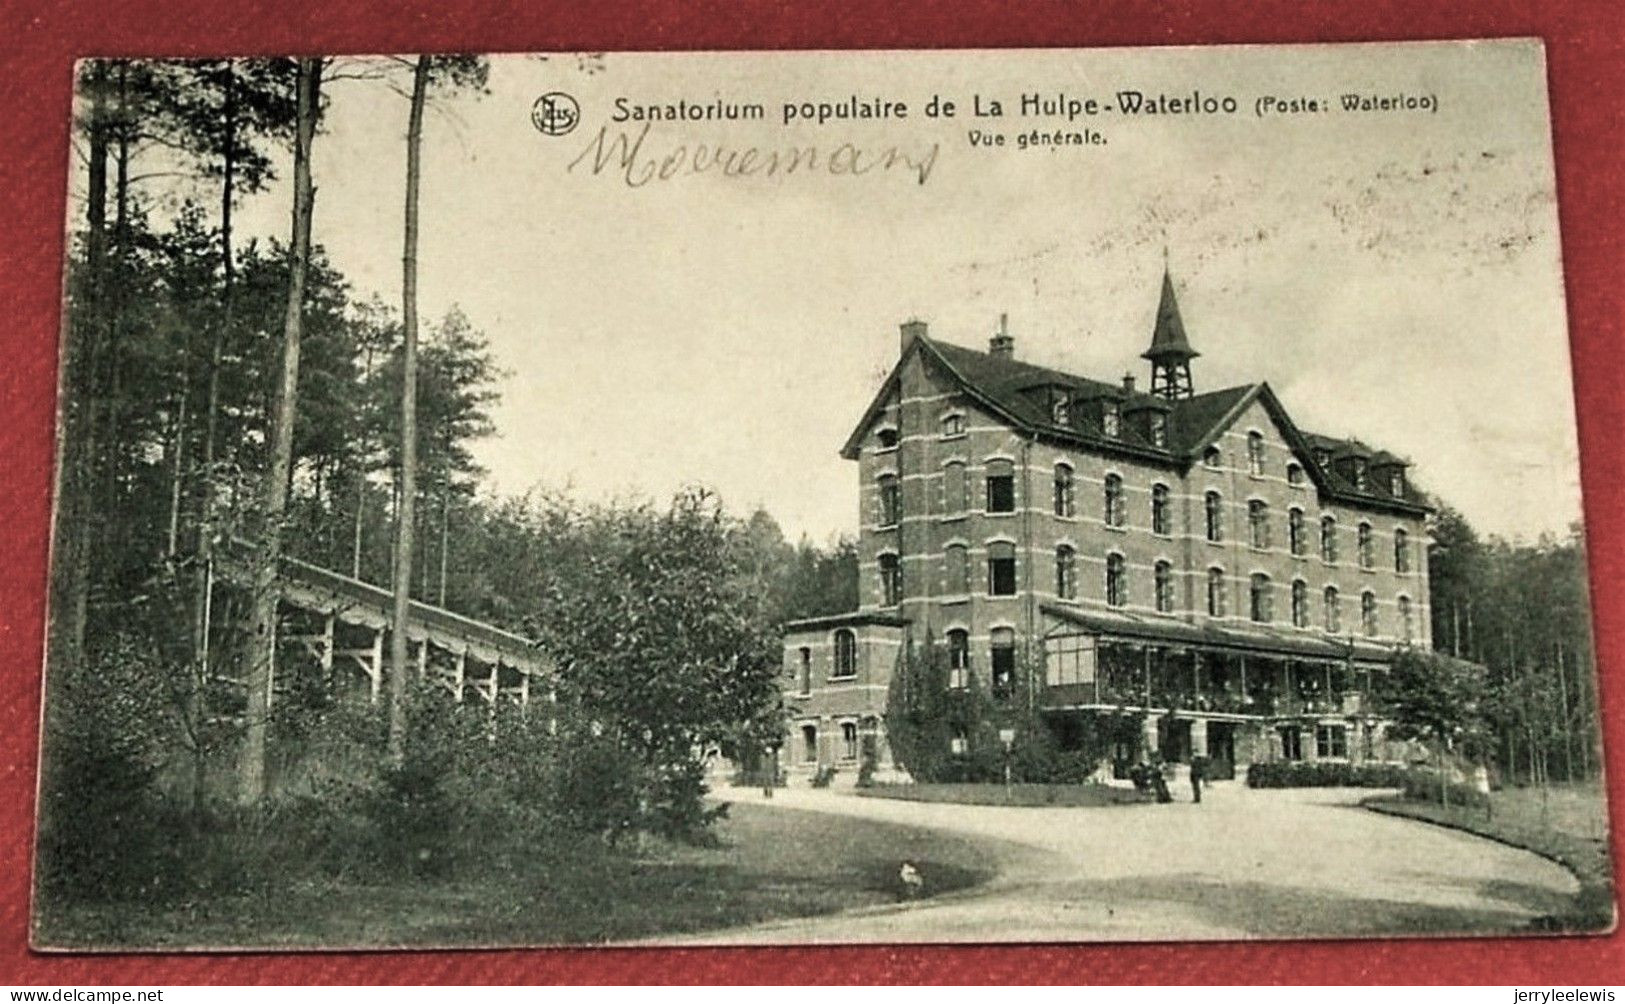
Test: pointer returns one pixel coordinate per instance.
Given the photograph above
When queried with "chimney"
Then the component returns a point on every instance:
(1128, 382)
(1002, 344)
(911, 330)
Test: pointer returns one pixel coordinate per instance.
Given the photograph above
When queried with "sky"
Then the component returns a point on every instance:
(1393, 275)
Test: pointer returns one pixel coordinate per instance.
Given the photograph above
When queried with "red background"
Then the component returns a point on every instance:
(39, 43)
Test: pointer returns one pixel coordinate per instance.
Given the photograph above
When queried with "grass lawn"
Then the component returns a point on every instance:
(771, 863)
(1569, 826)
(1062, 795)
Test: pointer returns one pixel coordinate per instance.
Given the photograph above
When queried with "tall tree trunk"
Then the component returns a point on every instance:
(70, 579)
(445, 530)
(263, 615)
(404, 515)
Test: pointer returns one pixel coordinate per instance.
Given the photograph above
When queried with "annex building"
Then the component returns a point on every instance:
(1190, 563)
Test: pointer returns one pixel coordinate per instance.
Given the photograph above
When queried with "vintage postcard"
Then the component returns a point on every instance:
(953, 496)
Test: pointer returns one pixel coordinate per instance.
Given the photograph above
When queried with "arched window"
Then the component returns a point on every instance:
(1116, 580)
(1066, 572)
(1213, 506)
(1212, 457)
(1258, 522)
(891, 580)
(891, 500)
(804, 672)
(1001, 486)
(1002, 662)
(849, 740)
(1215, 592)
(846, 653)
(1113, 511)
(1368, 550)
(1161, 524)
(1262, 602)
(1328, 539)
(1065, 491)
(1334, 611)
(955, 497)
(1300, 603)
(809, 743)
(1001, 568)
(1368, 612)
(1165, 587)
(1402, 551)
(1407, 622)
(1255, 454)
(958, 577)
(1294, 531)
(953, 425)
(1294, 473)
(958, 658)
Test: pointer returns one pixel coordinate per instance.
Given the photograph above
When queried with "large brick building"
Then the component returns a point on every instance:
(1191, 562)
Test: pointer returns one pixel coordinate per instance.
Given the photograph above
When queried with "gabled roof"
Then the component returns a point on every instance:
(1004, 386)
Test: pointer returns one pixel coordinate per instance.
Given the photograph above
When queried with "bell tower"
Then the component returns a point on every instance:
(1170, 352)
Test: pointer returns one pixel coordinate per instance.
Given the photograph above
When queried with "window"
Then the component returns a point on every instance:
(955, 498)
(849, 740)
(891, 580)
(1165, 587)
(1334, 611)
(1258, 521)
(1368, 612)
(1065, 491)
(1160, 523)
(1116, 580)
(1001, 569)
(1159, 429)
(1328, 540)
(887, 439)
(1294, 474)
(1214, 507)
(958, 659)
(804, 672)
(1113, 511)
(846, 653)
(1323, 457)
(1291, 742)
(1215, 592)
(1255, 454)
(1402, 551)
(953, 425)
(1407, 623)
(1002, 653)
(1001, 486)
(1300, 603)
(1261, 601)
(1361, 481)
(1212, 457)
(1069, 660)
(1066, 572)
(1111, 418)
(1060, 409)
(1331, 742)
(1368, 551)
(1396, 484)
(958, 577)
(1294, 531)
(891, 500)
(958, 742)
(809, 743)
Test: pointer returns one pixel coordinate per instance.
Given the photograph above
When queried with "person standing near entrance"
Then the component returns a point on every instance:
(1198, 775)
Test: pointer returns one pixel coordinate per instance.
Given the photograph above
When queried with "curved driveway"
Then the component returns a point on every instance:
(1243, 864)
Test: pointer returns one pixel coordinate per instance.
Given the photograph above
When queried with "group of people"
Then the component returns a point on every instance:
(1150, 777)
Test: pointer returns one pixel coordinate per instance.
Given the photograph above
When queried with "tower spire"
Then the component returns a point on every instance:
(1170, 352)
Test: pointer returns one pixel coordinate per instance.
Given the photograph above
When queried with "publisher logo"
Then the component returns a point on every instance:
(555, 113)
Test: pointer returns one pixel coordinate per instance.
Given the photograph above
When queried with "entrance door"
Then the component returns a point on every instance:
(1221, 751)
(1174, 739)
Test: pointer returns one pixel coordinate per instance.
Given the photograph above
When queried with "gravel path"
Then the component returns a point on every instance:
(1243, 864)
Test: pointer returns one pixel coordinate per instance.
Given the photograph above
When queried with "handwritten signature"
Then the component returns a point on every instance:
(623, 154)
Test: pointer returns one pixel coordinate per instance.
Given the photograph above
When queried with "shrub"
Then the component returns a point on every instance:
(824, 776)
(1325, 774)
(1424, 786)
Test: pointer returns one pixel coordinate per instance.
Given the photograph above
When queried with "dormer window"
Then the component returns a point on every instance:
(1396, 484)
(1159, 429)
(1323, 457)
(1362, 483)
(1111, 419)
(887, 439)
(1060, 409)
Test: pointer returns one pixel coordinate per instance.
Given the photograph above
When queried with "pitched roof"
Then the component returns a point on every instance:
(1007, 386)
(1168, 337)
